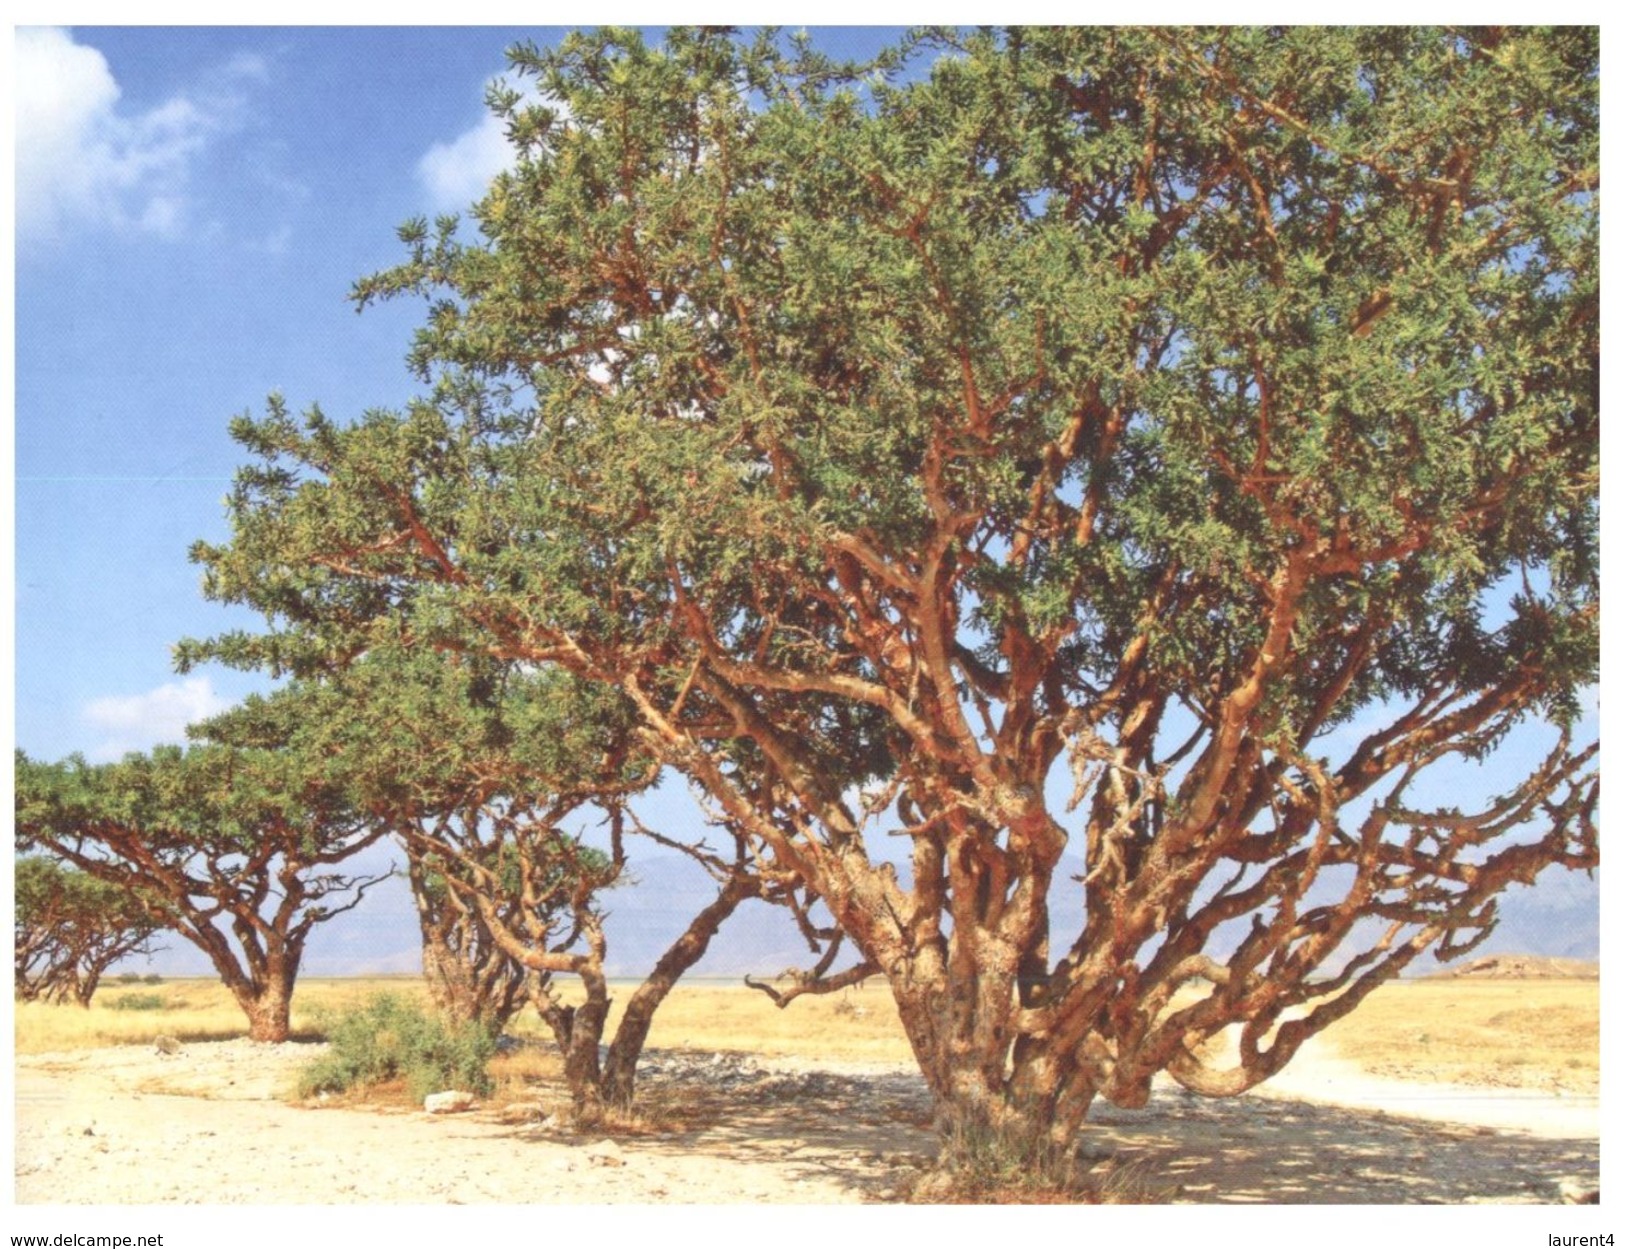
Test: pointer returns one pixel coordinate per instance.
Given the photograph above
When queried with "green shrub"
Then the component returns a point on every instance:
(391, 1038)
(152, 978)
(139, 1001)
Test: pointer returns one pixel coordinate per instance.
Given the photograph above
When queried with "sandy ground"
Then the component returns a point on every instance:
(1317, 1075)
(211, 1125)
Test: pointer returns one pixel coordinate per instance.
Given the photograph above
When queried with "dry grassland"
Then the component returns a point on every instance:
(1536, 1034)
(192, 1010)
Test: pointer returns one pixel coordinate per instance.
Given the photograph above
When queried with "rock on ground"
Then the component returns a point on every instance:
(452, 1101)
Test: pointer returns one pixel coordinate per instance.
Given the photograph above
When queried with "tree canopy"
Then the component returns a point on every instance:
(1211, 415)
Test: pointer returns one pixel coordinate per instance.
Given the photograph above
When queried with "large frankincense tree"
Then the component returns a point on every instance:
(1210, 414)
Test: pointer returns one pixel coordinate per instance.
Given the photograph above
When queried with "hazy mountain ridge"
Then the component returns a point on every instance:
(1558, 918)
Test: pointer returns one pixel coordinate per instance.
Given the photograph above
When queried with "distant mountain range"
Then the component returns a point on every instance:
(1522, 967)
(1558, 917)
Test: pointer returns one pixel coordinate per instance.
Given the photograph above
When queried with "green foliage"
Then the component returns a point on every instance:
(1370, 368)
(48, 891)
(141, 1001)
(220, 798)
(390, 1038)
(1176, 401)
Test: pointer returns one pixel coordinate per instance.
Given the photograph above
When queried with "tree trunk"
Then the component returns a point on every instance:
(1001, 1109)
(488, 995)
(579, 1031)
(450, 992)
(267, 1000)
(85, 987)
(268, 1016)
(621, 1064)
(469, 978)
(988, 1122)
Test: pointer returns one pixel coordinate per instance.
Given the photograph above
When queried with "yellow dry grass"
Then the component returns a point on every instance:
(856, 1025)
(191, 1010)
(1539, 1034)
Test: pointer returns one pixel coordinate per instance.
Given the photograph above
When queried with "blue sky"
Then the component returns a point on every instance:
(192, 208)
(193, 205)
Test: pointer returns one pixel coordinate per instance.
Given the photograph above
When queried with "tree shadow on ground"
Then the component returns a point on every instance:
(1256, 1149)
(875, 1130)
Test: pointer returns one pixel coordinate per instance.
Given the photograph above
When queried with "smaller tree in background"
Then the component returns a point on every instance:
(515, 874)
(237, 850)
(491, 774)
(467, 974)
(70, 928)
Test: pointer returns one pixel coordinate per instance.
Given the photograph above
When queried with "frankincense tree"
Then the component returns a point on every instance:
(1210, 414)
(511, 792)
(240, 851)
(70, 928)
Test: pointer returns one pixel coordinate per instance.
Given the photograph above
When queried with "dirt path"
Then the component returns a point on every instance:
(1318, 1075)
(208, 1125)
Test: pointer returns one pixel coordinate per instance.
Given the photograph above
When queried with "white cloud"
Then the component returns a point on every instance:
(247, 65)
(138, 721)
(84, 161)
(456, 174)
